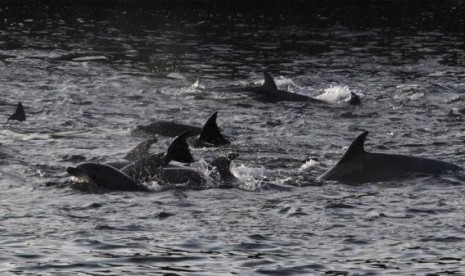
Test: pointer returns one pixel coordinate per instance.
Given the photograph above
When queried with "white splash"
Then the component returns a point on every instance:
(196, 86)
(251, 178)
(90, 58)
(279, 80)
(335, 93)
(307, 166)
(177, 76)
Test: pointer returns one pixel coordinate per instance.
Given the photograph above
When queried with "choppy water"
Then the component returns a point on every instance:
(87, 79)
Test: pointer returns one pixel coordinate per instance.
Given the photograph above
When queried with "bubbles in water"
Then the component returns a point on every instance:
(251, 178)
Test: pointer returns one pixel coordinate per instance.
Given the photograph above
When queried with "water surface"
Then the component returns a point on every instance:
(88, 78)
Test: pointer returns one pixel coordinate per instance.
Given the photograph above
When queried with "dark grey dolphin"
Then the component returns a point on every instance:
(130, 177)
(269, 92)
(208, 135)
(359, 166)
(19, 114)
(105, 176)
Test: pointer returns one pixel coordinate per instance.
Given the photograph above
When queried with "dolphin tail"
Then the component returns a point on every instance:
(19, 114)
(179, 150)
(270, 84)
(211, 133)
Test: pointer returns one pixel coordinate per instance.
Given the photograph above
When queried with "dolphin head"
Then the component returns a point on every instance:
(84, 173)
(104, 176)
(223, 165)
(76, 172)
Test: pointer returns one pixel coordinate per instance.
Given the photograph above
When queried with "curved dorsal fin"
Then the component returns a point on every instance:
(211, 133)
(269, 82)
(354, 99)
(142, 149)
(19, 114)
(356, 148)
(179, 150)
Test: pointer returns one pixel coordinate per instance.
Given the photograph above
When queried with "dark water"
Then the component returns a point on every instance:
(86, 78)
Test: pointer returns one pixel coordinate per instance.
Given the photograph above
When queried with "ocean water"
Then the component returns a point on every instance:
(88, 76)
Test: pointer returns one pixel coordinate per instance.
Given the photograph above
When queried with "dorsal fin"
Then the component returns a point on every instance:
(269, 82)
(140, 150)
(356, 148)
(354, 99)
(211, 133)
(19, 114)
(179, 150)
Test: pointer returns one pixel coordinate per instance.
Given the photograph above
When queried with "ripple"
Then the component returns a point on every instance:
(87, 76)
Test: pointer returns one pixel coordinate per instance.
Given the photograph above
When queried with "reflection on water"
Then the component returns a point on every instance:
(87, 75)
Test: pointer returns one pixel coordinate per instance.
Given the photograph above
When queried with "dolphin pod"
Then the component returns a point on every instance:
(355, 167)
(129, 177)
(152, 167)
(158, 167)
(207, 135)
(359, 166)
(269, 92)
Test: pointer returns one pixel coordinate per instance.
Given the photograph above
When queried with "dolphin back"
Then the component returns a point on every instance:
(358, 166)
(167, 129)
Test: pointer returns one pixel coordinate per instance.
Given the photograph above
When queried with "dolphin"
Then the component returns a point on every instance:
(359, 166)
(130, 176)
(19, 114)
(105, 176)
(269, 92)
(207, 135)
